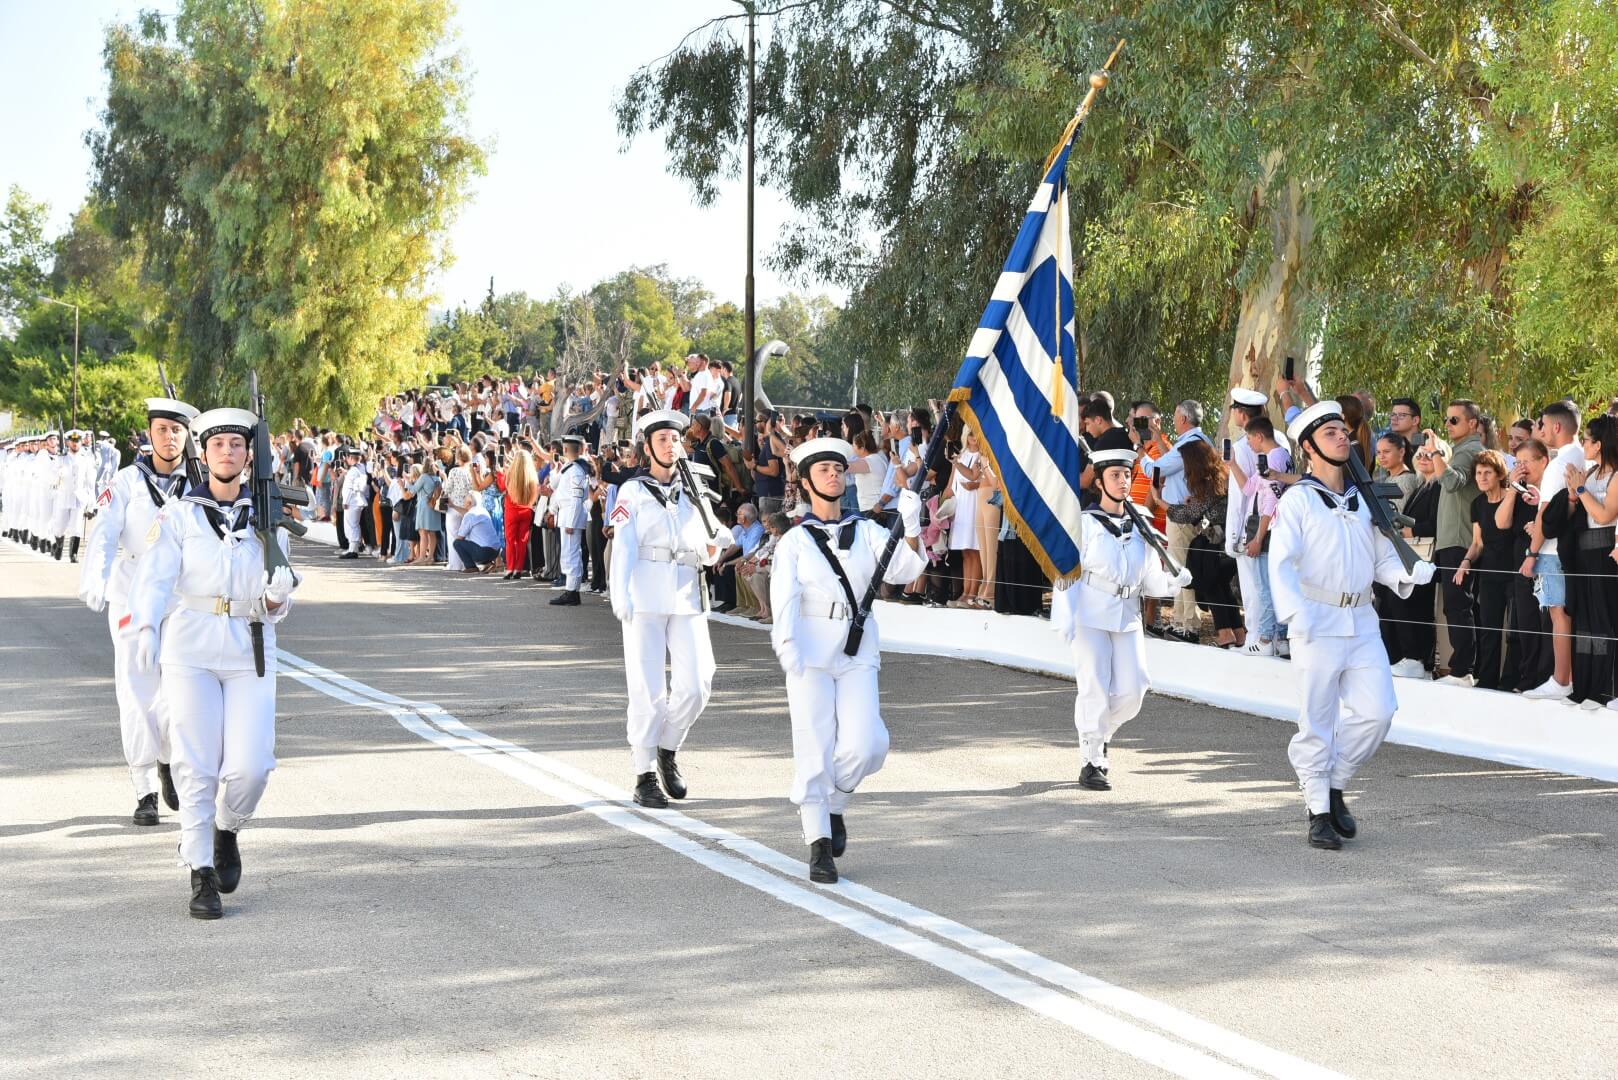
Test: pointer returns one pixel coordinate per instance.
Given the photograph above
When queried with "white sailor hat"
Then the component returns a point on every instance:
(1253, 399)
(577, 440)
(102, 435)
(1102, 459)
(74, 435)
(807, 453)
(224, 422)
(656, 421)
(162, 408)
(1304, 424)
(355, 449)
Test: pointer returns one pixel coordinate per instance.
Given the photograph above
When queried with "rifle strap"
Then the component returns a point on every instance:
(836, 565)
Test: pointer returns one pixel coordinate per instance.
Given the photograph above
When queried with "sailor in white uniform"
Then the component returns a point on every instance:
(660, 544)
(570, 503)
(1324, 556)
(43, 478)
(118, 540)
(80, 483)
(205, 564)
(356, 495)
(1099, 616)
(821, 572)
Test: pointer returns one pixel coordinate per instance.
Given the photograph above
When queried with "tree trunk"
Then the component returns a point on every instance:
(1269, 328)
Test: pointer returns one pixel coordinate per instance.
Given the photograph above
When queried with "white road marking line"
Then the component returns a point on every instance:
(1139, 1043)
(539, 770)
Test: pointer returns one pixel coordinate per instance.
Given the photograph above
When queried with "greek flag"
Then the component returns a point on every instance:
(1018, 388)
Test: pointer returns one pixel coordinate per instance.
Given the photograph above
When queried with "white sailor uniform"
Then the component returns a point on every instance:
(1099, 617)
(206, 565)
(1324, 556)
(838, 737)
(356, 496)
(659, 548)
(570, 503)
(117, 542)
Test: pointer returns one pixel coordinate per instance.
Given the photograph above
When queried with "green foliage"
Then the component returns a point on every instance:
(634, 300)
(23, 253)
(721, 332)
(290, 170)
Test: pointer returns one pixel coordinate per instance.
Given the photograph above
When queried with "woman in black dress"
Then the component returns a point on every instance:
(1592, 580)
(1487, 569)
(1213, 573)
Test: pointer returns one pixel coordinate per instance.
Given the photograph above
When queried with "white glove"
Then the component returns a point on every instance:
(146, 650)
(1422, 572)
(791, 659)
(909, 507)
(1182, 580)
(622, 610)
(94, 593)
(278, 586)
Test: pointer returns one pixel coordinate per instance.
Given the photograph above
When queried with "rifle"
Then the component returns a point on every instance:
(929, 463)
(193, 461)
(1153, 541)
(270, 500)
(1378, 499)
(697, 491)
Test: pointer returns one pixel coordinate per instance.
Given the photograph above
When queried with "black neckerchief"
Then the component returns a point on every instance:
(215, 511)
(1118, 527)
(847, 526)
(160, 487)
(656, 490)
(824, 545)
(1349, 501)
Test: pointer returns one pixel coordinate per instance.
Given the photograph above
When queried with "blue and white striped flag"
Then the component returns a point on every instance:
(1019, 385)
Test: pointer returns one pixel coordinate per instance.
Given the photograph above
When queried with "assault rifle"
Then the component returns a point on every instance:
(1379, 499)
(270, 499)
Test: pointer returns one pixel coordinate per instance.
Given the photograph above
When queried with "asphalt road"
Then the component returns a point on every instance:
(443, 880)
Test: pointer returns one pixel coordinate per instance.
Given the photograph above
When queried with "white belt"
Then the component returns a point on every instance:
(656, 554)
(1108, 585)
(1336, 599)
(217, 605)
(825, 609)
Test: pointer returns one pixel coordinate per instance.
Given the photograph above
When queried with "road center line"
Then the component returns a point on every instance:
(571, 785)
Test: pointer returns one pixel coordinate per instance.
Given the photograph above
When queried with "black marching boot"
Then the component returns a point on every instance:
(648, 794)
(1093, 778)
(205, 902)
(821, 867)
(568, 598)
(1341, 819)
(1321, 833)
(146, 809)
(73, 550)
(165, 776)
(839, 836)
(56, 549)
(227, 860)
(669, 772)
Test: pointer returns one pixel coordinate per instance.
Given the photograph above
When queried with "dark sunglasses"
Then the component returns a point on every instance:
(1452, 420)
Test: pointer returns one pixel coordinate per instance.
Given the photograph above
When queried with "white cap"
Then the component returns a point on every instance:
(807, 453)
(224, 422)
(1101, 459)
(578, 439)
(162, 408)
(1251, 398)
(1305, 422)
(656, 421)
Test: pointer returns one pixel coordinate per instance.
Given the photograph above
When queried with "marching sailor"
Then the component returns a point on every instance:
(1324, 556)
(570, 504)
(660, 545)
(82, 468)
(1099, 615)
(127, 511)
(205, 563)
(823, 568)
(46, 475)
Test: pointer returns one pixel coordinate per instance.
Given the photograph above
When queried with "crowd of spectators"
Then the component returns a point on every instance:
(1521, 524)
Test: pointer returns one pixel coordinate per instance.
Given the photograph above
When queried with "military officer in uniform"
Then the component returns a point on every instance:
(570, 504)
(660, 545)
(118, 540)
(823, 567)
(205, 564)
(1324, 556)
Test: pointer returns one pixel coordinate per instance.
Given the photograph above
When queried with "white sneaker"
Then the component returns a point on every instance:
(1458, 680)
(1409, 668)
(1590, 705)
(1259, 648)
(1613, 704)
(1550, 691)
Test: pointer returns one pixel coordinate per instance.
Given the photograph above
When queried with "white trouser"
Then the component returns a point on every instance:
(838, 739)
(452, 526)
(222, 726)
(352, 516)
(573, 557)
(1348, 706)
(1110, 670)
(142, 712)
(661, 714)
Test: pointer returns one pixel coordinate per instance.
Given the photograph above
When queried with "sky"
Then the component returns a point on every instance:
(560, 203)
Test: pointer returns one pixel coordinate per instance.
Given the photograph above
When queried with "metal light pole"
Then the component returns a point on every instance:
(749, 436)
(75, 307)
